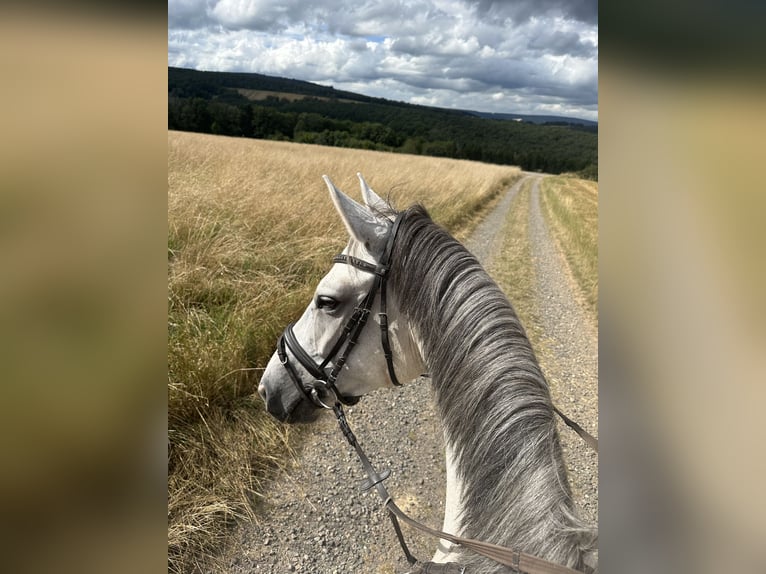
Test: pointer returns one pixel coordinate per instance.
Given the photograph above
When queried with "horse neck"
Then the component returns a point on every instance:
(493, 400)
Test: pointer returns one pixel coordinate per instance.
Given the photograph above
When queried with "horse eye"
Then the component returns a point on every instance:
(324, 302)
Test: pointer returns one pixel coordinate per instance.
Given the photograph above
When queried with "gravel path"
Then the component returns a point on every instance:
(569, 356)
(313, 518)
(487, 238)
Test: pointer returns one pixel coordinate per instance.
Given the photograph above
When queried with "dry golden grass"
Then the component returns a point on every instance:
(251, 229)
(570, 206)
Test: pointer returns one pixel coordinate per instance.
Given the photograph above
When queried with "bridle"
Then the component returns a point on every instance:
(323, 383)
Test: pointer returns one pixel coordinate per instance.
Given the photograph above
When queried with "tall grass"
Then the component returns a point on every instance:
(570, 206)
(251, 230)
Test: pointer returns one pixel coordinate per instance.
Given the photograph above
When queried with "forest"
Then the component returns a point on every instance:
(259, 106)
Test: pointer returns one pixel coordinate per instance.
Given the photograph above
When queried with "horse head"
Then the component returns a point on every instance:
(313, 366)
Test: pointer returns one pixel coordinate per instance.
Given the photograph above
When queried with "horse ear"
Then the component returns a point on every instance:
(360, 222)
(372, 199)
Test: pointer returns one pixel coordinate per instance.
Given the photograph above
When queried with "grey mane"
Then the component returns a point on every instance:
(492, 397)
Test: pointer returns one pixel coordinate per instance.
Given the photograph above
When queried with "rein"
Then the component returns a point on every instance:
(520, 561)
(323, 386)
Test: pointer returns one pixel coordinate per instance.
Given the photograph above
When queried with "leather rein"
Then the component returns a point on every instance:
(323, 386)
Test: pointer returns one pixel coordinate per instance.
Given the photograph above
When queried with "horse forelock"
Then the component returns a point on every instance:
(492, 397)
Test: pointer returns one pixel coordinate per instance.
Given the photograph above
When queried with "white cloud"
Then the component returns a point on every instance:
(524, 57)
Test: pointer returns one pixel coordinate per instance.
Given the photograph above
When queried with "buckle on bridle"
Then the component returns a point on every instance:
(315, 395)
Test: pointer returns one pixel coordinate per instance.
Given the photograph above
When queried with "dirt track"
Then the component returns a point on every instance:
(313, 518)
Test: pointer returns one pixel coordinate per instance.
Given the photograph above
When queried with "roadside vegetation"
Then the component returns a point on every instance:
(570, 206)
(251, 229)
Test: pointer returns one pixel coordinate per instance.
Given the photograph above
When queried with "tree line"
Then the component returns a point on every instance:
(204, 104)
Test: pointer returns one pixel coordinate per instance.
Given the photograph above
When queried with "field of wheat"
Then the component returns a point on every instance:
(251, 229)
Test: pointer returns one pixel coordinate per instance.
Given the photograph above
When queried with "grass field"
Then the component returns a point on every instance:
(258, 95)
(251, 229)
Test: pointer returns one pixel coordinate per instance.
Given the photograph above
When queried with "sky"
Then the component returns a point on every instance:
(509, 56)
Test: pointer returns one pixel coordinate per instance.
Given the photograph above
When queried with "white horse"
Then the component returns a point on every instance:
(437, 311)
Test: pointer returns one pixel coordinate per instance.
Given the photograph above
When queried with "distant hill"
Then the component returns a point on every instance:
(187, 82)
(261, 106)
(536, 119)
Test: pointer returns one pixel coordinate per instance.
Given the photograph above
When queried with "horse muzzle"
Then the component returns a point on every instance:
(290, 402)
(283, 402)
